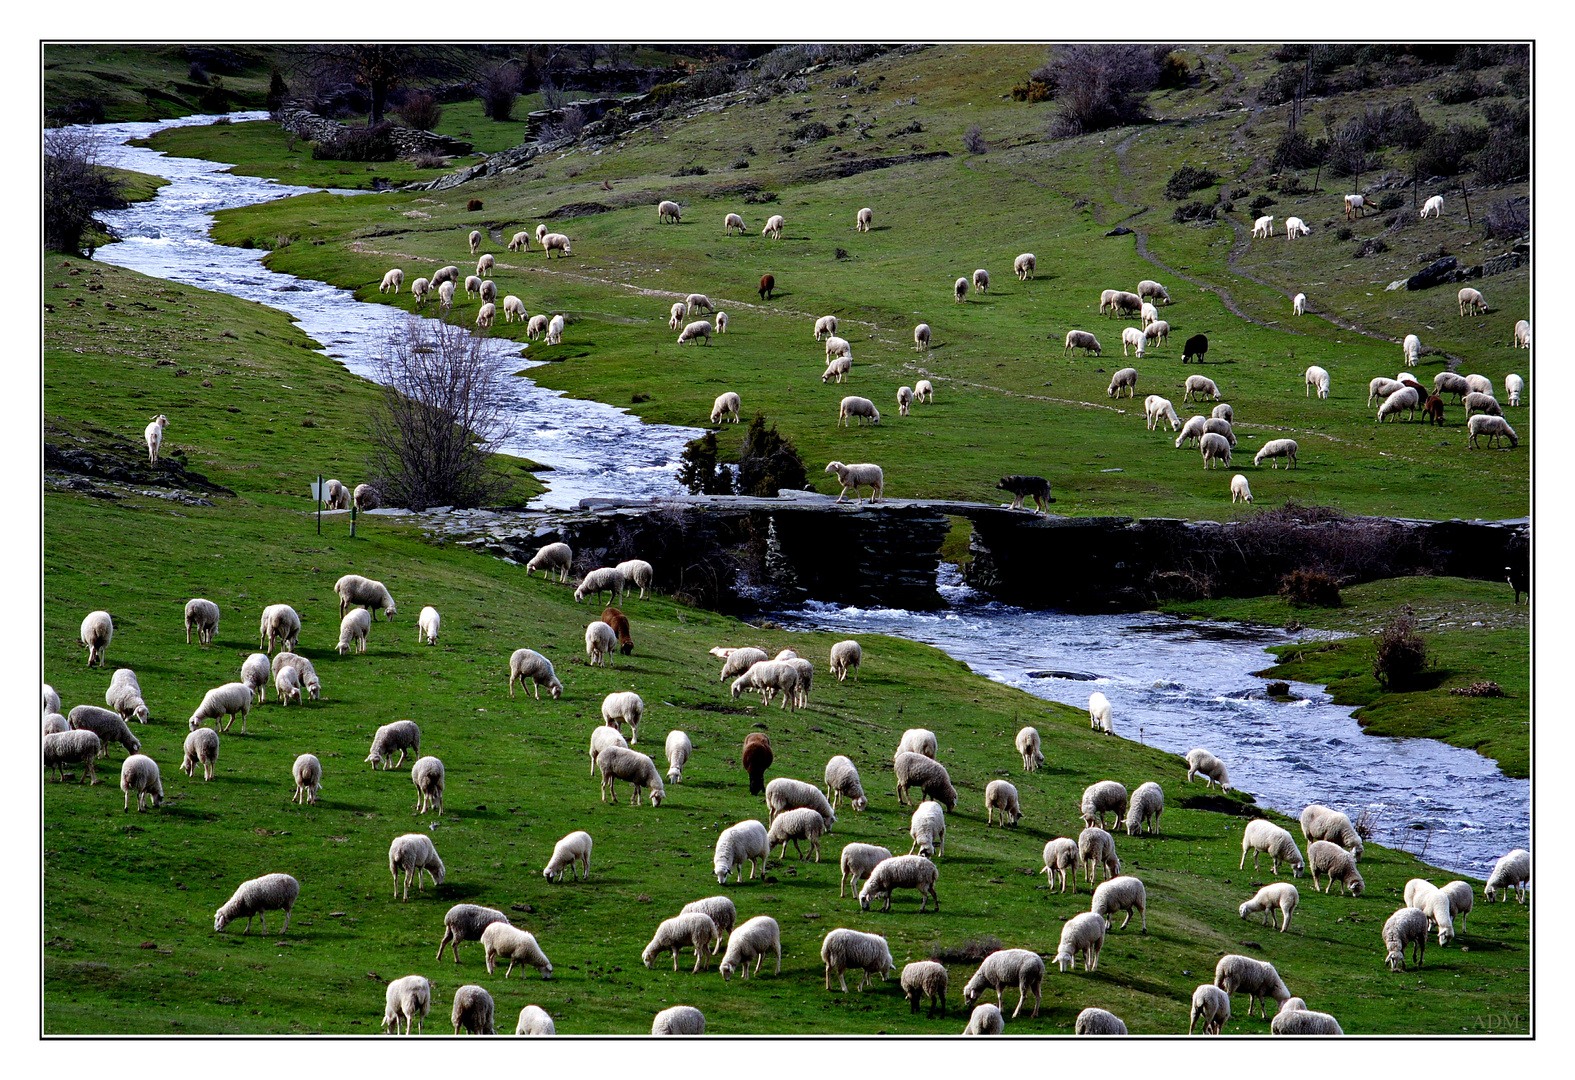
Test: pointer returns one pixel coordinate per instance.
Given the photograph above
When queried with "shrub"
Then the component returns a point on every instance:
(1401, 655)
(1374, 246)
(196, 74)
(691, 170)
(760, 197)
(1507, 219)
(741, 163)
(1310, 588)
(1261, 203)
(1343, 233)
(359, 144)
(1505, 157)
(813, 131)
(421, 110)
(1480, 688)
(1240, 193)
(1033, 90)
(1392, 201)
(1459, 90)
(698, 470)
(75, 189)
(973, 140)
(1187, 179)
(215, 99)
(277, 90)
(499, 89)
(914, 128)
(573, 122)
(1296, 151)
(1193, 211)
(1099, 86)
(428, 160)
(1174, 73)
(1445, 152)
(768, 461)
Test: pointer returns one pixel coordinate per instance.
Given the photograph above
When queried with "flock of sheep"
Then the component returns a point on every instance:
(797, 812)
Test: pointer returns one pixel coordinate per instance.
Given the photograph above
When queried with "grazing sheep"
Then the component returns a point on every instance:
(721, 322)
(745, 842)
(620, 763)
(731, 222)
(153, 435)
(1280, 894)
(229, 701)
(1238, 974)
(486, 315)
(843, 950)
(51, 700)
(726, 405)
(667, 210)
(1522, 334)
(466, 922)
(723, 912)
(1132, 336)
(1407, 926)
(1149, 314)
(770, 678)
(846, 656)
(863, 474)
(1156, 408)
(859, 408)
(901, 872)
(414, 854)
(865, 220)
(1321, 823)
(534, 1020)
(537, 327)
(1294, 227)
(1106, 796)
(981, 281)
(1439, 908)
(679, 1020)
(928, 829)
(699, 330)
(558, 242)
(428, 623)
(625, 707)
(1418, 892)
(1157, 332)
(602, 737)
(472, 286)
(421, 290)
(63, 748)
(408, 999)
(904, 400)
(1445, 382)
(1192, 430)
(1481, 403)
(367, 497)
(489, 295)
(1275, 449)
(475, 241)
(678, 749)
(447, 273)
(767, 284)
(1125, 379)
(125, 696)
(1100, 716)
(551, 557)
(541, 232)
(402, 735)
(926, 979)
(279, 623)
(1027, 744)
(1093, 1021)
(256, 898)
(1514, 386)
(98, 629)
(107, 725)
(1060, 855)
(1119, 302)
(842, 781)
(1263, 227)
(530, 665)
(751, 941)
(1337, 864)
(985, 1020)
(1082, 339)
(836, 346)
(1211, 1005)
(675, 315)
(738, 661)
(501, 941)
(1494, 427)
(856, 862)
(756, 758)
(307, 772)
(1081, 936)
(201, 747)
(446, 295)
(1001, 795)
(555, 331)
(1317, 379)
(1196, 348)
(1224, 412)
(54, 723)
(1434, 203)
(1263, 835)
(1380, 388)
(1152, 290)
(1097, 848)
(1299, 304)
(473, 1011)
(774, 226)
(1023, 266)
(1202, 763)
(202, 616)
(520, 241)
(795, 825)
(1471, 301)
(960, 289)
(1008, 967)
(1202, 386)
(428, 776)
(695, 929)
(1239, 489)
(928, 775)
(1294, 1018)
(603, 579)
(924, 392)
(1513, 869)
(484, 265)
(1124, 893)
(303, 668)
(353, 631)
(1459, 896)
(1144, 808)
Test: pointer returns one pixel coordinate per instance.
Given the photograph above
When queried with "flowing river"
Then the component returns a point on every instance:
(1172, 683)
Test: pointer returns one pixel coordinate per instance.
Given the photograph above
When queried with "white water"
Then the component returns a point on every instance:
(1172, 683)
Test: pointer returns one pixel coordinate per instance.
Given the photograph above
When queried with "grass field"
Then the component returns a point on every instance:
(262, 148)
(142, 82)
(1006, 399)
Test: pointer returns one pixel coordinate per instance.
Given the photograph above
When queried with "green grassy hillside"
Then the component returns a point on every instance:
(128, 943)
(1006, 398)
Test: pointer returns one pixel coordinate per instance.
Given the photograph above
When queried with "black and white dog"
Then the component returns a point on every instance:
(1028, 487)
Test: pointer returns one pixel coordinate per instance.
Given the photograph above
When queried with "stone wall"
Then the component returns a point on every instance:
(314, 128)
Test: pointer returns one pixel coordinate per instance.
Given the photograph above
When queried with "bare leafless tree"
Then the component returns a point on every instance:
(76, 187)
(441, 419)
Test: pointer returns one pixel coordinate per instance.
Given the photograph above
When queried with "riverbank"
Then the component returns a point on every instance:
(1474, 632)
(516, 777)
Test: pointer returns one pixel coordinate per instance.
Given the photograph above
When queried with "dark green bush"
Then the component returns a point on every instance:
(813, 131)
(768, 461)
(1310, 588)
(1193, 211)
(698, 469)
(1187, 179)
(1260, 203)
(1401, 654)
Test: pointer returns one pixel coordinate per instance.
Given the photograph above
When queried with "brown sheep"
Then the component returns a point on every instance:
(1434, 410)
(757, 758)
(767, 283)
(620, 624)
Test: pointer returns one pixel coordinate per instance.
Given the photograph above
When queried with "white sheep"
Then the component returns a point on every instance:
(901, 872)
(446, 295)
(472, 1011)
(51, 700)
(537, 326)
(1095, 1021)
(722, 911)
(602, 737)
(679, 1020)
(485, 315)
(1002, 795)
(1028, 745)
(466, 922)
(125, 696)
(859, 408)
(1522, 334)
(1240, 491)
(846, 656)
(228, 701)
(960, 290)
(1101, 716)
(303, 667)
(836, 346)
(1472, 302)
(1459, 897)
(1082, 936)
(726, 405)
(843, 950)
(201, 748)
(1202, 763)
(904, 400)
(731, 222)
(402, 735)
(1435, 203)
(1124, 893)
(1125, 379)
(623, 707)
(1023, 266)
(825, 326)
(856, 862)
(1514, 386)
(558, 242)
(745, 842)
(667, 211)
(678, 749)
(107, 725)
(1407, 926)
(1481, 403)
(928, 775)
(475, 241)
(1263, 835)
(1003, 968)
(802, 824)
(279, 623)
(1082, 339)
(1294, 227)
(1211, 1005)
(1418, 891)
(752, 941)
(1275, 449)
(70, 747)
(1132, 336)
(1494, 427)
(1299, 304)
(770, 678)
(1060, 855)
(675, 315)
(863, 474)
(54, 723)
(603, 579)
(307, 772)
(1104, 797)
(555, 331)
(774, 226)
(408, 999)
(520, 241)
(428, 776)
(1316, 379)
(1202, 386)
(98, 630)
(1263, 227)
(928, 829)
(619, 763)
(472, 286)
(1096, 848)
(1321, 823)
(1224, 412)
(1149, 314)
(1294, 1018)
(1337, 864)
(550, 557)
(924, 392)
(1513, 869)
(694, 929)
(1381, 387)
(412, 855)
(864, 220)
(534, 1020)
(420, 290)
(1192, 430)
(1238, 974)
(986, 1019)
(541, 232)
(1156, 408)
(153, 435)
(1280, 894)
(700, 330)
(203, 616)
(981, 281)
(737, 661)
(528, 665)
(926, 979)
(1144, 808)
(502, 941)
(257, 897)
(721, 322)
(353, 631)
(842, 781)
(447, 273)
